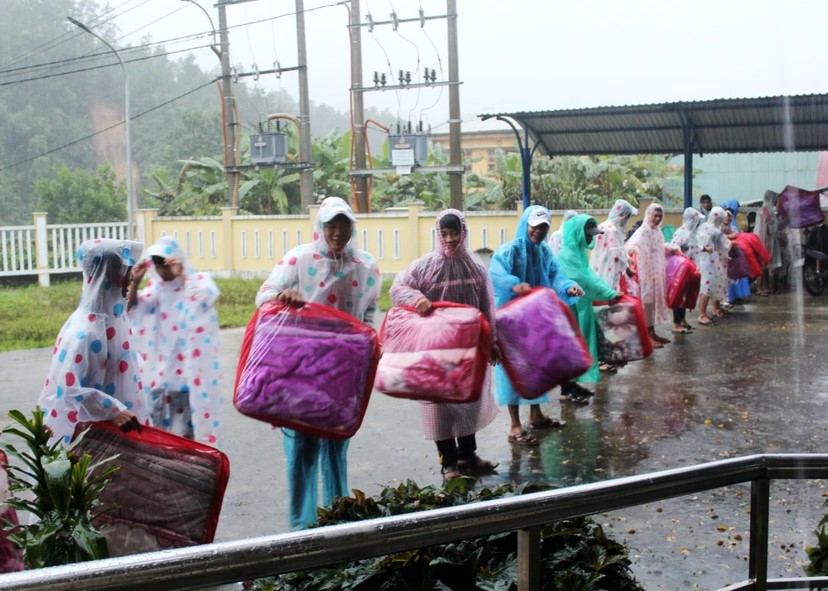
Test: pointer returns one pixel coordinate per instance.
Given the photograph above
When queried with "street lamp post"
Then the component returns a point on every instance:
(130, 197)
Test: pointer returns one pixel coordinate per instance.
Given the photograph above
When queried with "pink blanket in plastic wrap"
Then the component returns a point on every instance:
(168, 489)
(540, 343)
(683, 281)
(310, 369)
(441, 357)
(622, 331)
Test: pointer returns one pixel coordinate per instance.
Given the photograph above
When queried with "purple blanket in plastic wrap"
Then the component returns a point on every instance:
(540, 343)
(310, 369)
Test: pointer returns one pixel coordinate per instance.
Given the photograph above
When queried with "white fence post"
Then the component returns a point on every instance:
(41, 248)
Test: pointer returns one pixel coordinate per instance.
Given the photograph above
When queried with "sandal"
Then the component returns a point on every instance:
(476, 465)
(524, 438)
(656, 344)
(544, 423)
(606, 367)
(682, 330)
(450, 473)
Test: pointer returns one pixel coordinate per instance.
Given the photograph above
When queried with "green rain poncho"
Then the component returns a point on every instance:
(574, 262)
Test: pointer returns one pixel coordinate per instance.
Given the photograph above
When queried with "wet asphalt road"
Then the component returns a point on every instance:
(755, 383)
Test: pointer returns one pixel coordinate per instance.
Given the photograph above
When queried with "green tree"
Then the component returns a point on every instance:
(76, 196)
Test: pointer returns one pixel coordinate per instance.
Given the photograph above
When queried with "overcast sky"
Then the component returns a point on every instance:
(524, 54)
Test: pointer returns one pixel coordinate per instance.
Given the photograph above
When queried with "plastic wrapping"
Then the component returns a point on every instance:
(540, 343)
(800, 207)
(310, 368)
(683, 280)
(737, 265)
(622, 331)
(168, 490)
(11, 559)
(440, 357)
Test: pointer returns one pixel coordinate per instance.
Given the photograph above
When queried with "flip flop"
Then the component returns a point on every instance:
(524, 438)
(681, 331)
(708, 322)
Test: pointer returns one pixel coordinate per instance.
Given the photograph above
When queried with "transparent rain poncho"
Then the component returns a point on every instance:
(451, 276)
(176, 331)
(713, 264)
(94, 374)
(609, 258)
(651, 266)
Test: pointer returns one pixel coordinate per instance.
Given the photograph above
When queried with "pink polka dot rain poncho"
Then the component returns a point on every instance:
(609, 258)
(176, 332)
(94, 374)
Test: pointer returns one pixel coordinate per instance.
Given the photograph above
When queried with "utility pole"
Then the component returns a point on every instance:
(230, 161)
(306, 154)
(360, 183)
(455, 148)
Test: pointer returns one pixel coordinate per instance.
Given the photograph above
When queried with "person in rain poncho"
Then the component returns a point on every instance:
(648, 248)
(609, 257)
(737, 289)
(451, 273)
(332, 272)
(578, 239)
(176, 332)
(95, 374)
(556, 238)
(768, 232)
(713, 249)
(686, 239)
(517, 267)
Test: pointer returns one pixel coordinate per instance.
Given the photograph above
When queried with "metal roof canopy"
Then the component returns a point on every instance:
(771, 124)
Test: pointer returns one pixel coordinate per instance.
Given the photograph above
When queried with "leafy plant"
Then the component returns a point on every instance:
(818, 555)
(56, 486)
(576, 554)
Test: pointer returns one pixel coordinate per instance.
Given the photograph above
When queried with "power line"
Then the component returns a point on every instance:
(114, 125)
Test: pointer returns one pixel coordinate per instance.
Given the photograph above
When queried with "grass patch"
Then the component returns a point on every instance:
(31, 316)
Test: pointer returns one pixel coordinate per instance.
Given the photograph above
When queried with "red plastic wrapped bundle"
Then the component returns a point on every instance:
(540, 343)
(11, 559)
(168, 489)
(441, 357)
(622, 331)
(682, 283)
(800, 207)
(309, 368)
(756, 253)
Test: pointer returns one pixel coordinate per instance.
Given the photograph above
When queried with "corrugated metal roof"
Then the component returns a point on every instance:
(770, 124)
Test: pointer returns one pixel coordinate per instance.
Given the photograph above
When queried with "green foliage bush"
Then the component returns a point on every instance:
(576, 554)
(55, 485)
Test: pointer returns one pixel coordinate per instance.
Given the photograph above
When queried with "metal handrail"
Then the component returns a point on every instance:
(228, 562)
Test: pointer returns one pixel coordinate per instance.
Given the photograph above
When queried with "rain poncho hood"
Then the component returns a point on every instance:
(609, 258)
(176, 332)
(574, 259)
(523, 261)
(685, 237)
(446, 275)
(94, 374)
(348, 281)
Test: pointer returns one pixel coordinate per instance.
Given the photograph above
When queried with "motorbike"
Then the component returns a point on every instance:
(815, 268)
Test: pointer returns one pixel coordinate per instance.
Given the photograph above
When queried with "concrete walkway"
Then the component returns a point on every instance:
(755, 383)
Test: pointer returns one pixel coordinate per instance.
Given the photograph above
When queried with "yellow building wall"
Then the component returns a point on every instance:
(237, 244)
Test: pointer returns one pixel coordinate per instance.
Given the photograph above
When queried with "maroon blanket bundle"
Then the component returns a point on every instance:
(441, 356)
(683, 281)
(309, 368)
(168, 490)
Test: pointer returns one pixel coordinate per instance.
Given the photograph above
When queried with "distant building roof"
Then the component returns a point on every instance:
(770, 124)
(475, 126)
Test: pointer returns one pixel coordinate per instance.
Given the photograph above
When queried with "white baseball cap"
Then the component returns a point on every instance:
(332, 207)
(540, 216)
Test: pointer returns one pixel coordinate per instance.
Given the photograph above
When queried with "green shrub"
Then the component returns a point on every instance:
(55, 485)
(576, 554)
